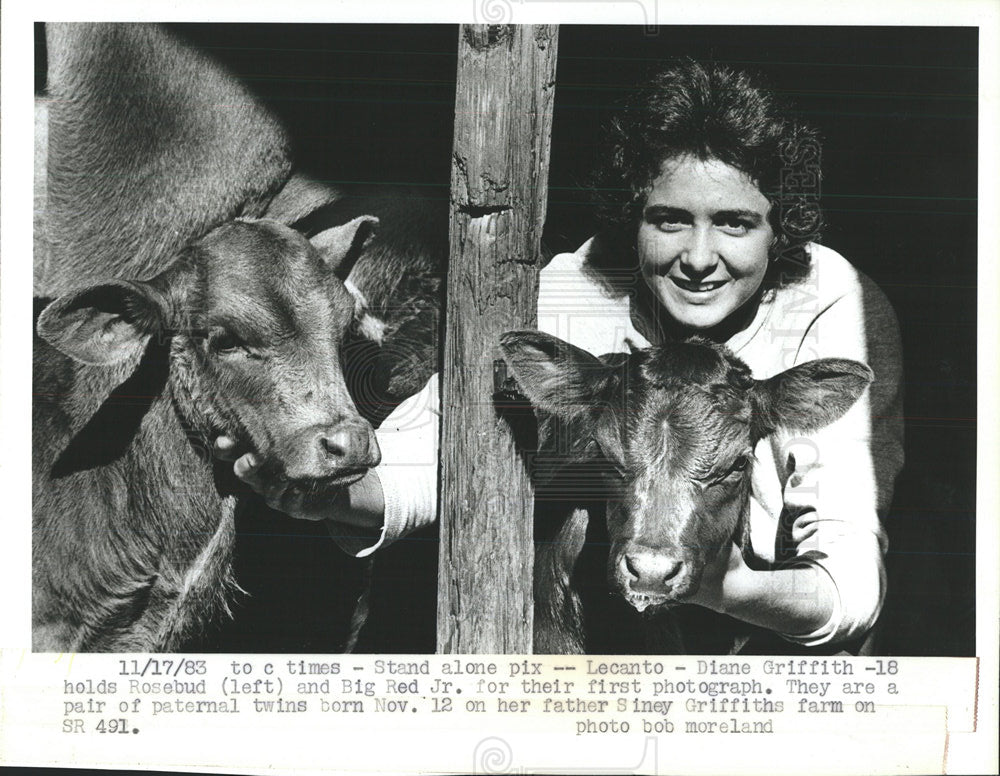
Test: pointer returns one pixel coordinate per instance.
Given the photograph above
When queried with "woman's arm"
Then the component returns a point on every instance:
(837, 482)
(793, 601)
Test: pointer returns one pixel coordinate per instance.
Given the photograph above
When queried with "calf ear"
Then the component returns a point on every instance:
(102, 324)
(340, 246)
(808, 396)
(557, 377)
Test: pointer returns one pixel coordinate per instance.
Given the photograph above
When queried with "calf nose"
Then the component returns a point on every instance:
(649, 570)
(350, 445)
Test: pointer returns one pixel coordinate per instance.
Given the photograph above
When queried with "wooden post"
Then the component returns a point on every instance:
(503, 118)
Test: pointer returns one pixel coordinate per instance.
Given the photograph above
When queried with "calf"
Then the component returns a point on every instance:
(675, 427)
(144, 145)
(133, 523)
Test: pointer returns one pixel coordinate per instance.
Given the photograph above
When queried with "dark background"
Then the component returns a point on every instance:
(897, 108)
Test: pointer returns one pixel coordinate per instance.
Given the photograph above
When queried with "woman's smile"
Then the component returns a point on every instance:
(699, 291)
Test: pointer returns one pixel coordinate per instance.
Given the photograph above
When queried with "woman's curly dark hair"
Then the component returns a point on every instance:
(712, 111)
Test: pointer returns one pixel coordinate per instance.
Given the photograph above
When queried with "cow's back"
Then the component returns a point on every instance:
(178, 146)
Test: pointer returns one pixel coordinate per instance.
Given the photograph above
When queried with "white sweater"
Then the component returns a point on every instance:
(838, 480)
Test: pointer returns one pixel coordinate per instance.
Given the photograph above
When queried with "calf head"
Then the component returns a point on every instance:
(678, 423)
(254, 315)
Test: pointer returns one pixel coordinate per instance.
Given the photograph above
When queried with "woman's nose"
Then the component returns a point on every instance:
(699, 256)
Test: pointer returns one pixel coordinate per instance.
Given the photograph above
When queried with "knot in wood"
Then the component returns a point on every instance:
(481, 37)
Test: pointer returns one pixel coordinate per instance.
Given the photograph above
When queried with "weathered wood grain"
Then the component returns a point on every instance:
(503, 115)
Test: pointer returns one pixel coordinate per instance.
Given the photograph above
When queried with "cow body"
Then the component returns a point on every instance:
(661, 440)
(133, 554)
(150, 145)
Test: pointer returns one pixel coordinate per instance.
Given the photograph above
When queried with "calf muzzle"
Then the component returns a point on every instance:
(341, 451)
(646, 576)
(649, 570)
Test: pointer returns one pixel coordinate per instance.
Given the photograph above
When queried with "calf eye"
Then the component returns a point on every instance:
(740, 464)
(227, 344)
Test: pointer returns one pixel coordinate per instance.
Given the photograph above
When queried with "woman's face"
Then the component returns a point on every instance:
(703, 240)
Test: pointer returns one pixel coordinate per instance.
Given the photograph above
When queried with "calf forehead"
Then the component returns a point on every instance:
(693, 362)
(692, 405)
(689, 428)
(261, 270)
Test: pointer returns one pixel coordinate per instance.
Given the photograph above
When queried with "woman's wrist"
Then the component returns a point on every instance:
(740, 588)
(790, 601)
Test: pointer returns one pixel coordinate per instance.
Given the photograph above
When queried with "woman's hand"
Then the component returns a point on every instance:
(276, 493)
(359, 504)
(794, 601)
(723, 580)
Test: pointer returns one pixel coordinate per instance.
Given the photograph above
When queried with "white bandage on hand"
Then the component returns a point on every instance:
(408, 440)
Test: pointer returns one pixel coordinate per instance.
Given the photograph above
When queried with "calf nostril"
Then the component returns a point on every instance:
(672, 570)
(650, 570)
(336, 443)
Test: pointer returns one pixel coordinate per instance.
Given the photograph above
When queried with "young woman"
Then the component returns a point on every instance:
(709, 200)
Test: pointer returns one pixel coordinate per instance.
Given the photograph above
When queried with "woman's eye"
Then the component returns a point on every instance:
(734, 227)
(671, 225)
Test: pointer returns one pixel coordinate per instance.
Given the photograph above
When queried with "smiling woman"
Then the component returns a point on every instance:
(705, 196)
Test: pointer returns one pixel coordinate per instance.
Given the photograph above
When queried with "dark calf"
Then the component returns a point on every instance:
(133, 523)
(677, 425)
